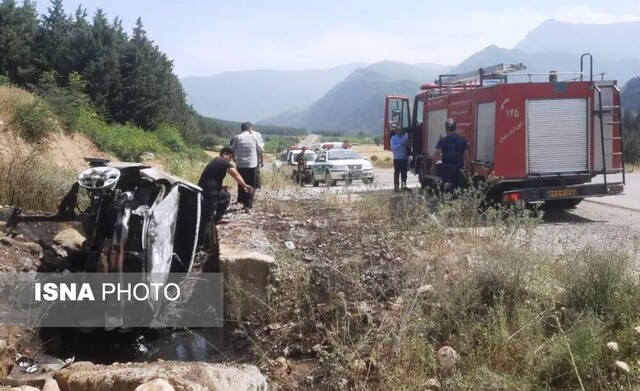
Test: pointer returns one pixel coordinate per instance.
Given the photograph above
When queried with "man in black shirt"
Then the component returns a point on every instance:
(215, 197)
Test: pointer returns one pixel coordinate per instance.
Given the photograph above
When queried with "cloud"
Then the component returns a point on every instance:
(425, 37)
(584, 14)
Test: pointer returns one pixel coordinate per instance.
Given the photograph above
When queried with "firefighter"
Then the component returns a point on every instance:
(453, 151)
(302, 165)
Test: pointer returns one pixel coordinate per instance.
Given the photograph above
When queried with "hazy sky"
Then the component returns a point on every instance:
(206, 37)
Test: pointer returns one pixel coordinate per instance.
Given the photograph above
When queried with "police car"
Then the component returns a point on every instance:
(286, 162)
(333, 165)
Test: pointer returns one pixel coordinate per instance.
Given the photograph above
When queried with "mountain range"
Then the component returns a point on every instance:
(350, 98)
(253, 95)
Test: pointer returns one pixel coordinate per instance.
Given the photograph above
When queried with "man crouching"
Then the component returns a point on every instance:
(215, 197)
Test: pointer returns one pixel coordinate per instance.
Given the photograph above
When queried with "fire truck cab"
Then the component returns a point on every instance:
(542, 141)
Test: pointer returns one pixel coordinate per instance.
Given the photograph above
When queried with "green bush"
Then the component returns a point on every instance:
(599, 283)
(34, 121)
(171, 138)
(211, 141)
(631, 147)
(276, 144)
(125, 141)
(68, 103)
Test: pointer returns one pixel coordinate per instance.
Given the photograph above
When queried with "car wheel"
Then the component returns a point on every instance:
(367, 181)
(313, 180)
(328, 180)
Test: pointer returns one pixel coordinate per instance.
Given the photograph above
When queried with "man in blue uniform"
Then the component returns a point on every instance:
(453, 149)
(400, 160)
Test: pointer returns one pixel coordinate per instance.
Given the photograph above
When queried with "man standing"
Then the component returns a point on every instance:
(302, 165)
(216, 198)
(247, 151)
(400, 159)
(454, 151)
(260, 141)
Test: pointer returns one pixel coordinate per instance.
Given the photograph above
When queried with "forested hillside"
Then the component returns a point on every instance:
(82, 65)
(630, 98)
(128, 78)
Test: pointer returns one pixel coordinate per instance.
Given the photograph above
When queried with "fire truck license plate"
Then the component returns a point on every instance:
(562, 193)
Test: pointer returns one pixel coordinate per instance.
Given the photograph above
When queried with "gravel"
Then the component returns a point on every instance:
(590, 225)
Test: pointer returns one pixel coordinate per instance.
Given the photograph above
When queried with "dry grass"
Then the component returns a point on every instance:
(377, 154)
(34, 183)
(349, 298)
(369, 150)
(10, 98)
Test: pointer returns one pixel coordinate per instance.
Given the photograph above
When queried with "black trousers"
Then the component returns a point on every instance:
(452, 177)
(400, 171)
(249, 176)
(258, 180)
(213, 208)
(215, 205)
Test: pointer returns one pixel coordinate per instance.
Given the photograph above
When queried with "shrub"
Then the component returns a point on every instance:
(127, 142)
(68, 103)
(34, 121)
(631, 147)
(171, 138)
(374, 158)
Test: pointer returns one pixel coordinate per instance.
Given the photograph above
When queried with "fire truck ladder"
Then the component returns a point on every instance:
(615, 113)
(496, 72)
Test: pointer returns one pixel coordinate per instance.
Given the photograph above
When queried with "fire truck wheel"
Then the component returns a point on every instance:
(563, 204)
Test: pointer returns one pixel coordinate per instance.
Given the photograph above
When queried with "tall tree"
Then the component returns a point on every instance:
(152, 94)
(54, 41)
(18, 26)
(102, 72)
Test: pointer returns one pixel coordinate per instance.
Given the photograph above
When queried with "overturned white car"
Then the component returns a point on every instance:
(142, 226)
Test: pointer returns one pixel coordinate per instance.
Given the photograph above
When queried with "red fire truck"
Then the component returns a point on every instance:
(542, 141)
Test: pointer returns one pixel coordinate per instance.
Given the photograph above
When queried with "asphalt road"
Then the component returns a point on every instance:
(310, 139)
(630, 199)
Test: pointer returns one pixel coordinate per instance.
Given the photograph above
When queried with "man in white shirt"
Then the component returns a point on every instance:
(247, 153)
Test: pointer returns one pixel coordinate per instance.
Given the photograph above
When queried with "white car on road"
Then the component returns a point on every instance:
(287, 161)
(346, 165)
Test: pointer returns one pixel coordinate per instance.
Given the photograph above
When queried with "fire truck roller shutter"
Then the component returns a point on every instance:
(486, 129)
(557, 136)
(435, 129)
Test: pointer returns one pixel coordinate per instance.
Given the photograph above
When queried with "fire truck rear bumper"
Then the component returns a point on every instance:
(548, 193)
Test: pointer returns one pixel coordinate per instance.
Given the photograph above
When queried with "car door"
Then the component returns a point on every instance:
(396, 114)
(287, 167)
(320, 164)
